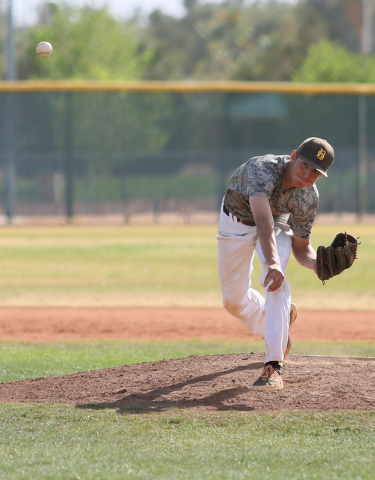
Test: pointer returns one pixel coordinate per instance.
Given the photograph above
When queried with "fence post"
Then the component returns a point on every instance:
(221, 149)
(68, 158)
(10, 168)
(362, 156)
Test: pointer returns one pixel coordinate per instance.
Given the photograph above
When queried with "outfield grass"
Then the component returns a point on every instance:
(154, 266)
(105, 266)
(66, 442)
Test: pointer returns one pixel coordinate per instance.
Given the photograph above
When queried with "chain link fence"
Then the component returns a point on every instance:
(70, 150)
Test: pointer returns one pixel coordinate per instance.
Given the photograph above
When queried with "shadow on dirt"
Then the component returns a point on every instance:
(161, 398)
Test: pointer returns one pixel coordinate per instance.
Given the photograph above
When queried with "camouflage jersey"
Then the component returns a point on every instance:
(263, 176)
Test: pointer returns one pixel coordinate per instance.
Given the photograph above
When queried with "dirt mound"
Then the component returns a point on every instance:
(215, 382)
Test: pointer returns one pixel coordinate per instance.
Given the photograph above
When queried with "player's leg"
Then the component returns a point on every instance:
(236, 243)
(277, 304)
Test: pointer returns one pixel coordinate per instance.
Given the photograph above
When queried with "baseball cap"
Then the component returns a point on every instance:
(317, 153)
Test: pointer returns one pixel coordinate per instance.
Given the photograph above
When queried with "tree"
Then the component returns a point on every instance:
(339, 21)
(212, 41)
(262, 40)
(88, 44)
(3, 44)
(329, 62)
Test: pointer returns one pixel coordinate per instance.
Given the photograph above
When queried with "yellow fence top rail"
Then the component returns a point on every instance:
(190, 87)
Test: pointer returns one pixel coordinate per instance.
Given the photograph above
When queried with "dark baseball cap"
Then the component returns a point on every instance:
(317, 153)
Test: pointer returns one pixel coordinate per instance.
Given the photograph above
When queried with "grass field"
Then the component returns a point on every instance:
(63, 442)
(164, 266)
(154, 266)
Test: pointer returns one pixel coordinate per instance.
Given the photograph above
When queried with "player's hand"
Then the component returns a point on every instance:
(274, 278)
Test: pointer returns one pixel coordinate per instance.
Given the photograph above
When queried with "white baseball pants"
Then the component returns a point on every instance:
(267, 316)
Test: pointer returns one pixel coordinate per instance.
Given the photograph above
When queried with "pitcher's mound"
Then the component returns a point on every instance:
(213, 382)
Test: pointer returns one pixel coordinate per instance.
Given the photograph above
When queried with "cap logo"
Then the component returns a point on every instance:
(321, 154)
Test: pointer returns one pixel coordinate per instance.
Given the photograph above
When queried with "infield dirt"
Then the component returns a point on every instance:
(215, 382)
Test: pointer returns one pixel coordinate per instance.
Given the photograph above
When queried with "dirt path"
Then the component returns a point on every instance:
(215, 382)
(45, 324)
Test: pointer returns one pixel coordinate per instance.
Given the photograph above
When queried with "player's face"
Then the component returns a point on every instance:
(302, 175)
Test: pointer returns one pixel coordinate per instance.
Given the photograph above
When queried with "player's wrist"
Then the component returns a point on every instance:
(275, 266)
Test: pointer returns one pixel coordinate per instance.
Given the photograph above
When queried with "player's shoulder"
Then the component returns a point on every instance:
(309, 195)
(276, 161)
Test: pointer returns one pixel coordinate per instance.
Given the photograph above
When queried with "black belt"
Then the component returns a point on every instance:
(249, 223)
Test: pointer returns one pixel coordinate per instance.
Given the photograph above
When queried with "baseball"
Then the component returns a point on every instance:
(44, 49)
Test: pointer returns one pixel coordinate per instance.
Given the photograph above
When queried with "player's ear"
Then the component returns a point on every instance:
(293, 156)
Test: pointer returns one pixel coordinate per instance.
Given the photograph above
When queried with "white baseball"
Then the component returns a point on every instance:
(44, 49)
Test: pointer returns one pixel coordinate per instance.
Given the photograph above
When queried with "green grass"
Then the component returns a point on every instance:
(154, 265)
(105, 266)
(163, 265)
(23, 360)
(65, 442)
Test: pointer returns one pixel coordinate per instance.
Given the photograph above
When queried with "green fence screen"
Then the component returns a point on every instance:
(67, 153)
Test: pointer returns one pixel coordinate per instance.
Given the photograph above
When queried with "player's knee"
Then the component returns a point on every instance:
(234, 308)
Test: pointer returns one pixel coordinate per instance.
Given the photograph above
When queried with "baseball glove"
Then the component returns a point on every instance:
(340, 255)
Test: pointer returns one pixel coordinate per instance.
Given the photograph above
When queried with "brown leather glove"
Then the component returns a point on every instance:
(340, 255)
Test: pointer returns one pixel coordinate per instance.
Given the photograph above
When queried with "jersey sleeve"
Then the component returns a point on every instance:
(303, 212)
(262, 177)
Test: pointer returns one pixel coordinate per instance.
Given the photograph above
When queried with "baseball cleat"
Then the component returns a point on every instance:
(293, 316)
(269, 380)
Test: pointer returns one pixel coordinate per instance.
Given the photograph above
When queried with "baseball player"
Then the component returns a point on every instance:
(269, 207)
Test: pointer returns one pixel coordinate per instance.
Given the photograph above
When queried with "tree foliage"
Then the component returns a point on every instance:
(230, 40)
(329, 62)
(3, 46)
(88, 44)
(258, 40)
(216, 41)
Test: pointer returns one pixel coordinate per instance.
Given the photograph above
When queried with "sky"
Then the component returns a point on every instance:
(25, 10)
